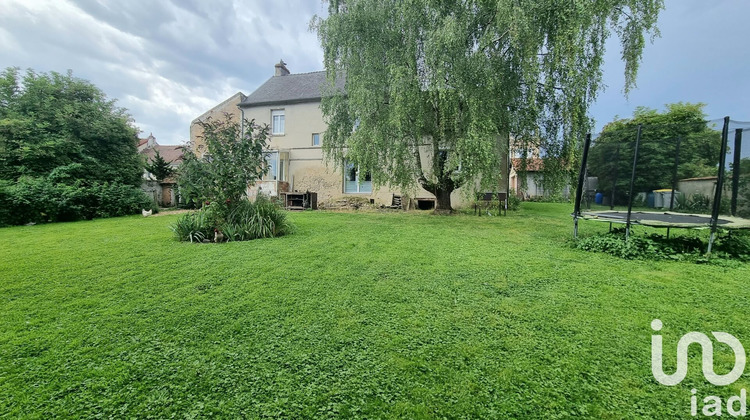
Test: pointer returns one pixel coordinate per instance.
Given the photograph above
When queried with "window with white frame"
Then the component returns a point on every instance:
(272, 163)
(356, 181)
(277, 121)
(316, 139)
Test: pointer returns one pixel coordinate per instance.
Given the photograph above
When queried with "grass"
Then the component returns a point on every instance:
(356, 315)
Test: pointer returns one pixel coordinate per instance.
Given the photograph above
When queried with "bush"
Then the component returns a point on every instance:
(514, 203)
(40, 200)
(701, 204)
(192, 227)
(551, 198)
(733, 245)
(240, 221)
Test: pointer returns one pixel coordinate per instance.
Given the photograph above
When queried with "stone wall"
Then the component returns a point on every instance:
(319, 180)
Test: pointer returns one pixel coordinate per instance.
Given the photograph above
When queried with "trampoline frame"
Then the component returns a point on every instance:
(713, 219)
(660, 219)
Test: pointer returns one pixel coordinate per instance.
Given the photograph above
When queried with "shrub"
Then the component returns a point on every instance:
(235, 158)
(39, 200)
(658, 247)
(240, 221)
(701, 203)
(192, 227)
(514, 203)
(550, 198)
(734, 245)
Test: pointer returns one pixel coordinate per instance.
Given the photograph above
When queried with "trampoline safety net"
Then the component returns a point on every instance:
(687, 175)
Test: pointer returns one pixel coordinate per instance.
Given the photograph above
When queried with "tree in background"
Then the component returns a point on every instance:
(66, 151)
(744, 167)
(455, 79)
(159, 167)
(52, 121)
(234, 160)
(611, 156)
(743, 196)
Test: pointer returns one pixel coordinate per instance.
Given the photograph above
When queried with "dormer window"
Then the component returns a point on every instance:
(277, 121)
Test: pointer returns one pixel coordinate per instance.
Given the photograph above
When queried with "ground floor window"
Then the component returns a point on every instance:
(276, 164)
(356, 181)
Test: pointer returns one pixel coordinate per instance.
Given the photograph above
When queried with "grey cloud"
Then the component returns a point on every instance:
(167, 62)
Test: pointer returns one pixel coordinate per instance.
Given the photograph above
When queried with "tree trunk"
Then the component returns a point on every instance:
(444, 185)
(443, 200)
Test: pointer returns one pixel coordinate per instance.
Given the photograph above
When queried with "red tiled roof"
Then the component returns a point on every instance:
(171, 154)
(532, 164)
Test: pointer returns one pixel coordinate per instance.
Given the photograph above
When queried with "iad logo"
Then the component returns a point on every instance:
(708, 357)
(712, 405)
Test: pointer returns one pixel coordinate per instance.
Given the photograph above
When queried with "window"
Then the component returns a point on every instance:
(316, 139)
(355, 181)
(277, 121)
(272, 162)
(277, 164)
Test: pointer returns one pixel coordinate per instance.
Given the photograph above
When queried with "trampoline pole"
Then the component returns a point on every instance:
(674, 175)
(579, 189)
(736, 168)
(719, 183)
(632, 181)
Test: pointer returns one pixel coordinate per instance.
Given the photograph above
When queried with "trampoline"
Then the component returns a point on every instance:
(651, 166)
(666, 219)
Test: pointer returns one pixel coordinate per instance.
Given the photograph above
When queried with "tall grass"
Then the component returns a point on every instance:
(241, 221)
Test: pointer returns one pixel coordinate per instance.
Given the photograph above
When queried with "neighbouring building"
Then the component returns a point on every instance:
(228, 106)
(533, 187)
(705, 186)
(290, 105)
(163, 192)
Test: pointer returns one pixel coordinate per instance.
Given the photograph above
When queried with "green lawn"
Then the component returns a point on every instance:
(357, 314)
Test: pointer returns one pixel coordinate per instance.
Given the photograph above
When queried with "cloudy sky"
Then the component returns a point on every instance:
(169, 61)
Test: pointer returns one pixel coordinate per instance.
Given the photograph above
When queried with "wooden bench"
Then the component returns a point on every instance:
(487, 198)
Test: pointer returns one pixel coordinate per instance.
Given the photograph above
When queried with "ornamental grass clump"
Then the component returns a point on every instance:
(241, 221)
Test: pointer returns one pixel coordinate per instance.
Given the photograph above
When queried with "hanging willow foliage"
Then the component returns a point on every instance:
(456, 80)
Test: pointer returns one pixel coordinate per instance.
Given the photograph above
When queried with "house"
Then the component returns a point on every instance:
(227, 106)
(290, 105)
(527, 179)
(146, 143)
(164, 192)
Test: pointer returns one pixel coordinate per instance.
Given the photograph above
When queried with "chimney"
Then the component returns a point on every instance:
(281, 69)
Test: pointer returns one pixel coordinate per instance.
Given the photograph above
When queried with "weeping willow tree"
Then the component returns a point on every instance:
(433, 90)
